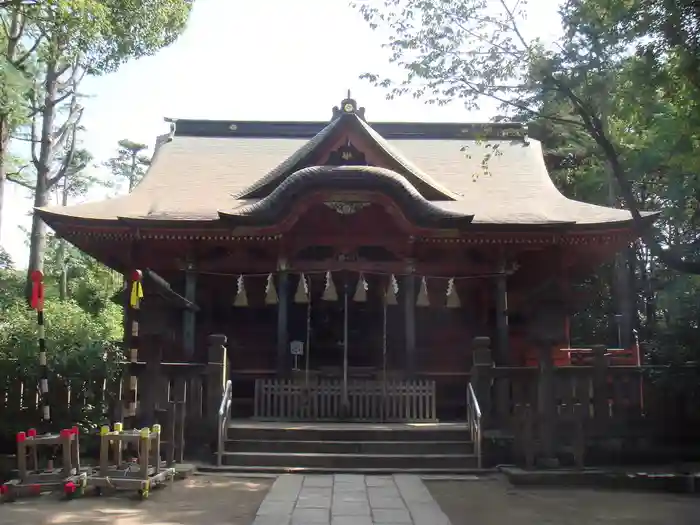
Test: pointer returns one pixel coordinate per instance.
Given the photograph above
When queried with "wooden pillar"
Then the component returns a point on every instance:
(282, 319)
(149, 395)
(546, 407)
(133, 340)
(482, 364)
(600, 386)
(503, 356)
(409, 301)
(188, 316)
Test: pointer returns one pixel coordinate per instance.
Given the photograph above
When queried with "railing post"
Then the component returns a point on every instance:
(149, 386)
(217, 375)
(600, 385)
(482, 363)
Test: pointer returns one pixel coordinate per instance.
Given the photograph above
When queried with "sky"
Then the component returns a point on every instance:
(248, 60)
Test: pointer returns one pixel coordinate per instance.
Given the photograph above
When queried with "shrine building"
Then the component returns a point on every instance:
(347, 255)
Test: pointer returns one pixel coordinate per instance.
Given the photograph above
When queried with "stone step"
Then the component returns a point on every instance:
(392, 462)
(250, 430)
(411, 447)
(437, 473)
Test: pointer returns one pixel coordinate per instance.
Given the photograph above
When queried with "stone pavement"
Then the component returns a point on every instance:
(349, 499)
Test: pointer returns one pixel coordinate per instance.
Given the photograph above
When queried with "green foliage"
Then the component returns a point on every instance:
(89, 283)
(13, 86)
(601, 82)
(80, 333)
(80, 352)
(11, 281)
(617, 95)
(128, 164)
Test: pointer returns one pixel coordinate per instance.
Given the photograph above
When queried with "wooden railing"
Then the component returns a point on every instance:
(191, 391)
(550, 408)
(367, 400)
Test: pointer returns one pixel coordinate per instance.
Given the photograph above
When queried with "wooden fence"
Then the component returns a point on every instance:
(193, 389)
(575, 407)
(367, 400)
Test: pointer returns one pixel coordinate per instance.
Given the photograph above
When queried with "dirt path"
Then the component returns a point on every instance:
(495, 502)
(199, 500)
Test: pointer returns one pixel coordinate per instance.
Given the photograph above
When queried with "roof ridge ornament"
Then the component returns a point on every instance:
(348, 107)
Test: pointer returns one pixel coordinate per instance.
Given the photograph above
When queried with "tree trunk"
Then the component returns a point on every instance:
(4, 143)
(63, 288)
(12, 40)
(623, 289)
(37, 241)
(132, 175)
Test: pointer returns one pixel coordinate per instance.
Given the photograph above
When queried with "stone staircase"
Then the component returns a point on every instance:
(348, 447)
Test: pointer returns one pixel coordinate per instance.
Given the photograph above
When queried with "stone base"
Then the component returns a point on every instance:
(184, 470)
(607, 479)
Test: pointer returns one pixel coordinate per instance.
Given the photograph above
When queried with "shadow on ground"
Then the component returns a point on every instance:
(496, 502)
(197, 500)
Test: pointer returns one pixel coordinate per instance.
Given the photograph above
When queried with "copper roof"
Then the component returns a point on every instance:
(207, 167)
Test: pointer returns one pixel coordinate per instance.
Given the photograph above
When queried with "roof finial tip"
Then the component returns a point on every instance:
(349, 96)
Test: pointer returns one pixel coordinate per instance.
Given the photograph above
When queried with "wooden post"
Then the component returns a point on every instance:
(149, 395)
(180, 421)
(528, 432)
(104, 451)
(65, 437)
(282, 317)
(166, 423)
(409, 301)
(546, 407)
(144, 452)
(503, 357)
(217, 375)
(482, 363)
(155, 459)
(22, 456)
(135, 292)
(600, 385)
(579, 415)
(188, 316)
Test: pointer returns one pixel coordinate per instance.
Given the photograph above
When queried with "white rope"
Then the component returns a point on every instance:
(323, 272)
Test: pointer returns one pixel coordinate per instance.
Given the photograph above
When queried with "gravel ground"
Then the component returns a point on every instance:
(198, 500)
(496, 502)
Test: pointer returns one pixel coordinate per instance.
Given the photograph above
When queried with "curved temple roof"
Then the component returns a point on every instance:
(211, 169)
(277, 204)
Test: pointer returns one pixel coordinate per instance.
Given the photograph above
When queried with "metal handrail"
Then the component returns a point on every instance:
(474, 421)
(224, 412)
